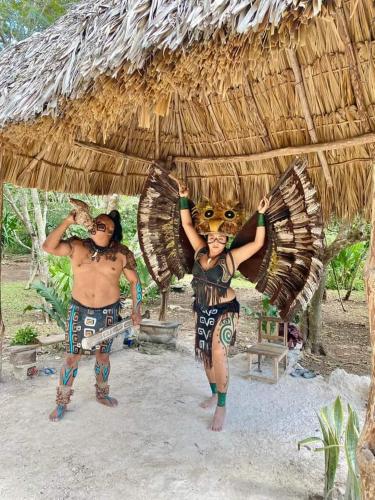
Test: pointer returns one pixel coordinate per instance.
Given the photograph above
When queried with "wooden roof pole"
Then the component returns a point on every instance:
(248, 93)
(301, 91)
(157, 137)
(111, 152)
(33, 163)
(180, 135)
(359, 92)
(366, 444)
(224, 137)
(288, 151)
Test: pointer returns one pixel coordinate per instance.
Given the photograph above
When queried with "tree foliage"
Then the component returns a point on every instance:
(20, 18)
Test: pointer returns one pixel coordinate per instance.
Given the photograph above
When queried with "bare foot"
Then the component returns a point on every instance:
(107, 401)
(58, 413)
(218, 420)
(209, 402)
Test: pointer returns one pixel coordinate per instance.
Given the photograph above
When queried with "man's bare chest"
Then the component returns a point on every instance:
(86, 262)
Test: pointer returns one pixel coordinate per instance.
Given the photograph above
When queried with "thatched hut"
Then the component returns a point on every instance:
(230, 90)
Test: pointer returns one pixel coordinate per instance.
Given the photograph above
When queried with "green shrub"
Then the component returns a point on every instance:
(53, 306)
(25, 336)
(268, 310)
(347, 267)
(61, 275)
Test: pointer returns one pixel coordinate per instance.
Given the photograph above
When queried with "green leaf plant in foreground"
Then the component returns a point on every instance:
(334, 437)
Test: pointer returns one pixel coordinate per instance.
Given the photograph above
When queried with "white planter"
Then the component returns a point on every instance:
(22, 354)
(159, 332)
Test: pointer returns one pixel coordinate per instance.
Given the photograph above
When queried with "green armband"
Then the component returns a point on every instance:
(261, 220)
(184, 203)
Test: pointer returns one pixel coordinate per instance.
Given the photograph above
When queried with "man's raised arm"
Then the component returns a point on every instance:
(53, 243)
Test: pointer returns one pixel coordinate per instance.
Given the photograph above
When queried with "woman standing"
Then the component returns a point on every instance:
(215, 305)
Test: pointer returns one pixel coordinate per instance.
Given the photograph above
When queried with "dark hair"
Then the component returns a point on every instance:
(116, 217)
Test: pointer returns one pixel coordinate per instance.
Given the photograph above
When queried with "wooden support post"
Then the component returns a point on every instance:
(366, 445)
(164, 293)
(164, 305)
(2, 329)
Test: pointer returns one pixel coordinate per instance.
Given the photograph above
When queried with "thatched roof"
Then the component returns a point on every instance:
(88, 103)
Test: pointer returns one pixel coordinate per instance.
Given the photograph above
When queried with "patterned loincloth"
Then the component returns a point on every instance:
(207, 319)
(84, 321)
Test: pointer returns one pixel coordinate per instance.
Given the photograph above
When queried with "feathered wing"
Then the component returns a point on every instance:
(289, 266)
(165, 247)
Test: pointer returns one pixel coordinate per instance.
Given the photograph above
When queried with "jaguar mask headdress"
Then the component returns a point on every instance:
(220, 217)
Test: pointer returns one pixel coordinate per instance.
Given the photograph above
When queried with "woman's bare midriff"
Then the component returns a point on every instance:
(228, 298)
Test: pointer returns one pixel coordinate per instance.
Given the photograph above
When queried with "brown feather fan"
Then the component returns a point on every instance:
(165, 247)
(288, 267)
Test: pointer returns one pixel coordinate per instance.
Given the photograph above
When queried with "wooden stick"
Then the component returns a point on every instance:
(366, 444)
(248, 93)
(33, 163)
(355, 77)
(288, 151)
(111, 152)
(359, 140)
(301, 91)
(157, 136)
(180, 135)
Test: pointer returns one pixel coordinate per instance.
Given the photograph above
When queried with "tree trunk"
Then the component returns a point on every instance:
(366, 444)
(112, 202)
(311, 324)
(2, 329)
(40, 221)
(38, 234)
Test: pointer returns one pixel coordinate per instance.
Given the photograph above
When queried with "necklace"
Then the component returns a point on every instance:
(97, 250)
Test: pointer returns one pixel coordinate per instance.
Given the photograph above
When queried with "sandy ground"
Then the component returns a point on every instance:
(156, 443)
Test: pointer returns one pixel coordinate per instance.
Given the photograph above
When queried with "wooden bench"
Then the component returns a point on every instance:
(270, 345)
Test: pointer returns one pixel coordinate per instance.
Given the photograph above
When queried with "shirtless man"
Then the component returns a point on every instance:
(97, 264)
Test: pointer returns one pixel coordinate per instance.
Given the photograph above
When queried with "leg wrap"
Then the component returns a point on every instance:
(102, 371)
(213, 387)
(102, 391)
(221, 398)
(63, 395)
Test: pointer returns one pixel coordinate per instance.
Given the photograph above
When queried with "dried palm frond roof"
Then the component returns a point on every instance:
(87, 104)
(97, 38)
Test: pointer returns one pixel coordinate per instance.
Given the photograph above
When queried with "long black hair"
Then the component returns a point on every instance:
(117, 233)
